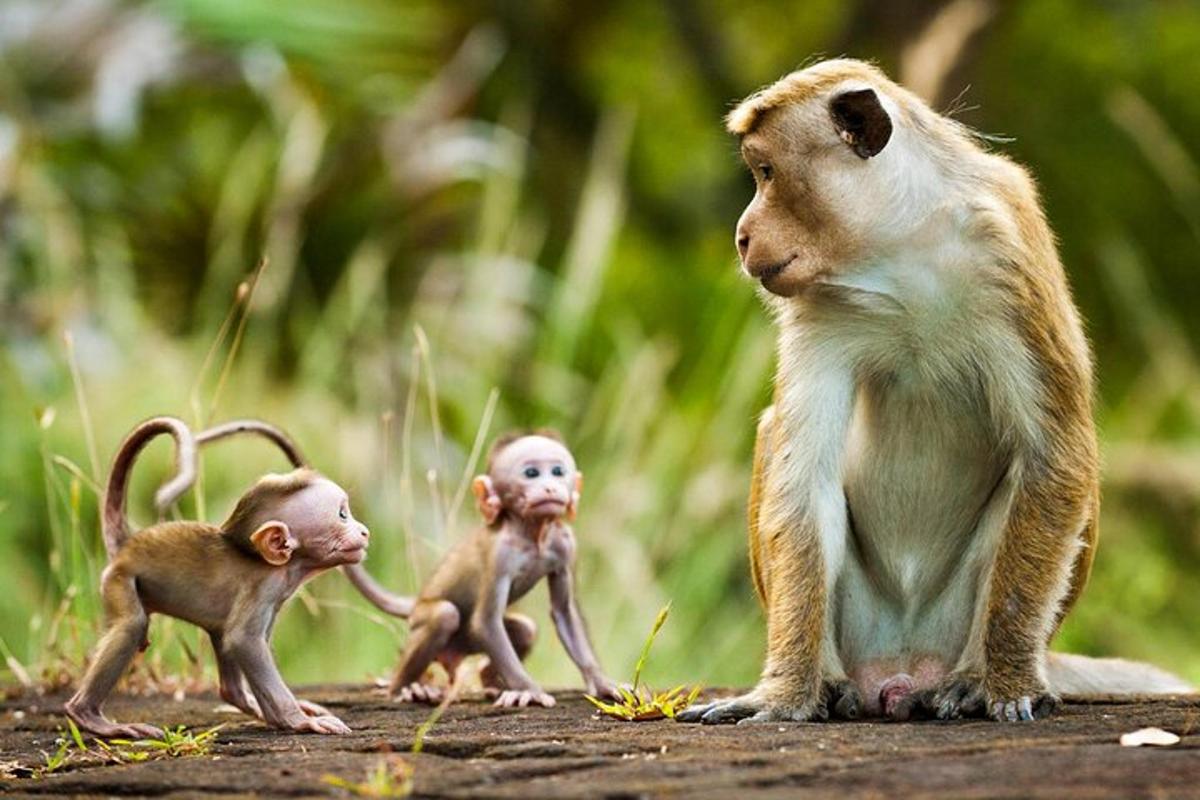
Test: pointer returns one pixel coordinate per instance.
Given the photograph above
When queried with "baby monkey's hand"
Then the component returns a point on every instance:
(514, 698)
(603, 687)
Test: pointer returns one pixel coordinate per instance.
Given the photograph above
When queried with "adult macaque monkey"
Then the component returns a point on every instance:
(924, 502)
(230, 580)
(527, 498)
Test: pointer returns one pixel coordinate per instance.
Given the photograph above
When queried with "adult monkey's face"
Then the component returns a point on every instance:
(833, 185)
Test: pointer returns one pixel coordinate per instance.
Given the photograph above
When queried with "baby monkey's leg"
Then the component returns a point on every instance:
(127, 625)
(233, 683)
(235, 692)
(522, 632)
(433, 623)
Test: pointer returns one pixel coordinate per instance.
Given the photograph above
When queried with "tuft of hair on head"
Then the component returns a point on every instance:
(799, 86)
(266, 491)
(505, 439)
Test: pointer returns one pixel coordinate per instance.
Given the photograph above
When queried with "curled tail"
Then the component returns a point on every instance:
(1080, 675)
(265, 429)
(385, 601)
(165, 498)
(114, 525)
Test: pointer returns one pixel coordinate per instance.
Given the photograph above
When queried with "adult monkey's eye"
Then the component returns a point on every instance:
(558, 471)
(531, 472)
(766, 171)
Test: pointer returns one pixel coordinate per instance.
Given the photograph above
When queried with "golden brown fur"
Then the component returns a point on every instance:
(924, 502)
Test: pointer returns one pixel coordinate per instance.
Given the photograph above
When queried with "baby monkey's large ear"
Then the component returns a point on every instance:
(486, 498)
(274, 542)
(861, 121)
(573, 506)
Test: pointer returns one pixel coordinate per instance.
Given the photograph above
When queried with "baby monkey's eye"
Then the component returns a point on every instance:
(531, 472)
(343, 513)
(558, 471)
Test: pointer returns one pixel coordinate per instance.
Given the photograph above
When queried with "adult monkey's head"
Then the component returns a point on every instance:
(846, 166)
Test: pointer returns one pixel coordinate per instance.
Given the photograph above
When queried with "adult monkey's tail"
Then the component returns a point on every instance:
(381, 598)
(1081, 675)
(114, 525)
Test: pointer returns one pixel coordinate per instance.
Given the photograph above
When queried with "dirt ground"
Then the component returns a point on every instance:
(479, 751)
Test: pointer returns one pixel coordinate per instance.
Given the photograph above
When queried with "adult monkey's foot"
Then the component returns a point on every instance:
(840, 699)
(965, 694)
(754, 706)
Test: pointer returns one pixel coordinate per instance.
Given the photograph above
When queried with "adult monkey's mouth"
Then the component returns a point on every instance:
(770, 272)
(774, 280)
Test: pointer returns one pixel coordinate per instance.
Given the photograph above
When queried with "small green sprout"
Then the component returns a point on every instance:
(175, 743)
(392, 777)
(71, 750)
(58, 759)
(640, 704)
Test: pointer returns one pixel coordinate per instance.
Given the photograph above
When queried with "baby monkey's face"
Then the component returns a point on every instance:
(536, 478)
(326, 532)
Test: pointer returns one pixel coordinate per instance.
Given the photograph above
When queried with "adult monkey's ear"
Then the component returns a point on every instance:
(274, 542)
(861, 121)
(486, 498)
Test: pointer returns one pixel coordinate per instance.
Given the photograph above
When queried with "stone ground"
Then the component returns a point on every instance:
(480, 751)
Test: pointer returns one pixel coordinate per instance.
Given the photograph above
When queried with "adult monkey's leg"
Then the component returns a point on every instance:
(798, 529)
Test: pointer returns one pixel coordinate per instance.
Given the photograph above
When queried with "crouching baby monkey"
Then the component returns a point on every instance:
(527, 498)
(229, 579)
(923, 508)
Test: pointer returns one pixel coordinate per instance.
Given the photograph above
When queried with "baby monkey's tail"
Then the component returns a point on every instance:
(1080, 675)
(115, 526)
(385, 601)
(171, 492)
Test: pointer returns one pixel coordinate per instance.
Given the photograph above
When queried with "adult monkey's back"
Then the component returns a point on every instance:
(924, 504)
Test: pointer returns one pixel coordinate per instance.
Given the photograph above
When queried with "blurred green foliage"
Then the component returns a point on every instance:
(537, 198)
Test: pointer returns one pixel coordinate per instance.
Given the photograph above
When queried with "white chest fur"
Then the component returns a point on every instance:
(910, 388)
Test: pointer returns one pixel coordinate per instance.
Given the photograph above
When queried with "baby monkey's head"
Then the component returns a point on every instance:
(846, 166)
(298, 517)
(529, 476)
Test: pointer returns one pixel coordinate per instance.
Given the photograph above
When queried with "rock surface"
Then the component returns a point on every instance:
(479, 751)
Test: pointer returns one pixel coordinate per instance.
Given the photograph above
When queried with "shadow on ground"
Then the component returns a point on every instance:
(479, 751)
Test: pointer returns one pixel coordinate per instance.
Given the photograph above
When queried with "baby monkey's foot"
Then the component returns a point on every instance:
(97, 724)
(325, 723)
(520, 698)
(314, 709)
(417, 692)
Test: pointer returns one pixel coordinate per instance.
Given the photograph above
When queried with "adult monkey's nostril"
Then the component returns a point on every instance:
(743, 244)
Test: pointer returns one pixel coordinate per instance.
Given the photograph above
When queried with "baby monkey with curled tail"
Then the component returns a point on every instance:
(229, 579)
(528, 497)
